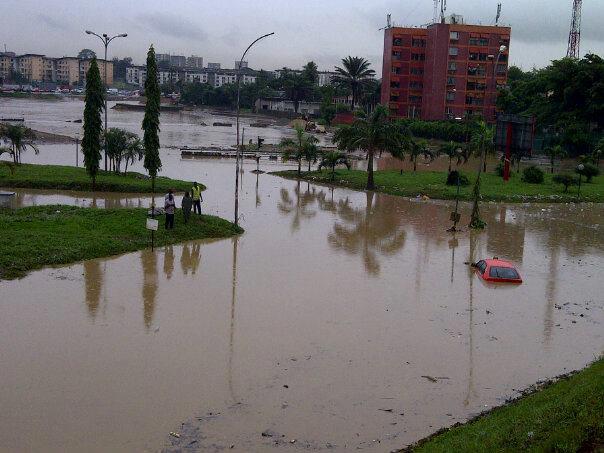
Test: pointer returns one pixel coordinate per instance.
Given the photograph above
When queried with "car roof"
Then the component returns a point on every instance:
(498, 263)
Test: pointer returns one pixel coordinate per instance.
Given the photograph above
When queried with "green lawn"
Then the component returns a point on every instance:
(71, 178)
(35, 237)
(432, 183)
(566, 416)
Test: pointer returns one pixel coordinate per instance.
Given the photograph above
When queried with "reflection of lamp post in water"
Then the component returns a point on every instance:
(580, 168)
(232, 324)
(237, 152)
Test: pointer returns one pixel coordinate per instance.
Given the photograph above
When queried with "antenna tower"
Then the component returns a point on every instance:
(574, 37)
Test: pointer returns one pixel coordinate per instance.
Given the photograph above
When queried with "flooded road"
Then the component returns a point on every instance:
(340, 320)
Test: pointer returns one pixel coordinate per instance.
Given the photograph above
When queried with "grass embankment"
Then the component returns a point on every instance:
(71, 178)
(565, 416)
(431, 183)
(35, 237)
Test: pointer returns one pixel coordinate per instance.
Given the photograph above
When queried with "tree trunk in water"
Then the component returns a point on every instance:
(333, 172)
(484, 164)
(370, 184)
(450, 164)
(309, 165)
(415, 164)
(299, 167)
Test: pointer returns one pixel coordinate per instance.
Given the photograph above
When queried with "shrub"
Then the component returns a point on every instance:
(589, 171)
(499, 169)
(452, 179)
(566, 180)
(533, 175)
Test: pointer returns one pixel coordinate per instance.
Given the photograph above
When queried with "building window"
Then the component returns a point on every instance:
(452, 67)
(451, 81)
(396, 55)
(450, 95)
(479, 41)
(417, 71)
(397, 42)
(415, 99)
(415, 84)
(417, 42)
(501, 69)
(478, 71)
(454, 36)
(395, 85)
(396, 70)
(394, 98)
(418, 56)
(453, 51)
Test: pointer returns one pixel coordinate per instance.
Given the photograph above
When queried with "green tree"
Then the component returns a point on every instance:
(304, 146)
(150, 125)
(93, 124)
(372, 132)
(554, 152)
(355, 75)
(332, 159)
(420, 148)
(296, 87)
(310, 72)
(481, 141)
(123, 146)
(454, 150)
(20, 138)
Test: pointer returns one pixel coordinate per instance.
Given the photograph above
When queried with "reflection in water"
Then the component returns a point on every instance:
(471, 393)
(93, 281)
(375, 230)
(235, 241)
(453, 244)
(149, 261)
(504, 238)
(190, 257)
(258, 202)
(168, 261)
(300, 207)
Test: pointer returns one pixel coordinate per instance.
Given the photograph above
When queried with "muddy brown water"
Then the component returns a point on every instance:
(326, 323)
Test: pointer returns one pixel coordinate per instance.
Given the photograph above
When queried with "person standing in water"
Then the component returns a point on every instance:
(170, 206)
(197, 198)
(186, 204)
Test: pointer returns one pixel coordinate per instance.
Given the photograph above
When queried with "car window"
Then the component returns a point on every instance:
(503, 272)
(481, 265)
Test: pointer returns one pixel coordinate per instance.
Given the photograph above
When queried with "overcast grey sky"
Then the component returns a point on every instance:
(319, 30)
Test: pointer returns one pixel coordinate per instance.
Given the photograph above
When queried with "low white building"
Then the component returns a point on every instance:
(197, 77)
(136, 75)
(285, 105)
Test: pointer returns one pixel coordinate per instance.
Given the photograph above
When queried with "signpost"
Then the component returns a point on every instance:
(153, 225)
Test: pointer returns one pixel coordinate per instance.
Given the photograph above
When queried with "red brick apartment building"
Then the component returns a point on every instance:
(444, 71)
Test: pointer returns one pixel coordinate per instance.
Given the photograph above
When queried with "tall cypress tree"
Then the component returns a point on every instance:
(151, 121)
(93, 124)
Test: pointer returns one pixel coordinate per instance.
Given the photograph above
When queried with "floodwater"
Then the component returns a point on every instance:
(326, 323)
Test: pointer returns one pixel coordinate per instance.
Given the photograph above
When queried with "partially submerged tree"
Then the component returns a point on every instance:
(481, 141)
(355, 75)
(370, 133)
(151, 120)
(332, 159)
(304, 146)
(93, 124)
(554, 152)
(19, 138)
(454, 150)
(420, 148)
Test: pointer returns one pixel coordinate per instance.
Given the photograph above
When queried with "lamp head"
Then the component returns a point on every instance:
(123, 35)
(503, 48)
(88, 32)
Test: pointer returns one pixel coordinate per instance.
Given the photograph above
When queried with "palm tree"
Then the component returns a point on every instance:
(372, 132)
(355, 75)
(10, 165)
(454, 150)
(332, 159)
(481, 141)
(20, 138)
(123, 145)
(554, 152)
(420, 148)
(135, 151)
(303, 147)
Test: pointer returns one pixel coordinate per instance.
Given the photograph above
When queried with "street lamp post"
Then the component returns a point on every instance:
(238, 111)
(580, 168)
(106, 40)
(496, 62)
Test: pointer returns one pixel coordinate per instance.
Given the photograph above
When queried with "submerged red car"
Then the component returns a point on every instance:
(496, 270)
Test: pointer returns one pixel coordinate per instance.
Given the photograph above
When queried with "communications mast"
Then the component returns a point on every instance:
(574, 37)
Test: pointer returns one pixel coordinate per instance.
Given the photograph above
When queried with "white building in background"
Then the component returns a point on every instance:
(195, 62)
(285, 105)
(325, 78)
(214, 66)
(196, 76)
(244, 65)
(136, 75)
